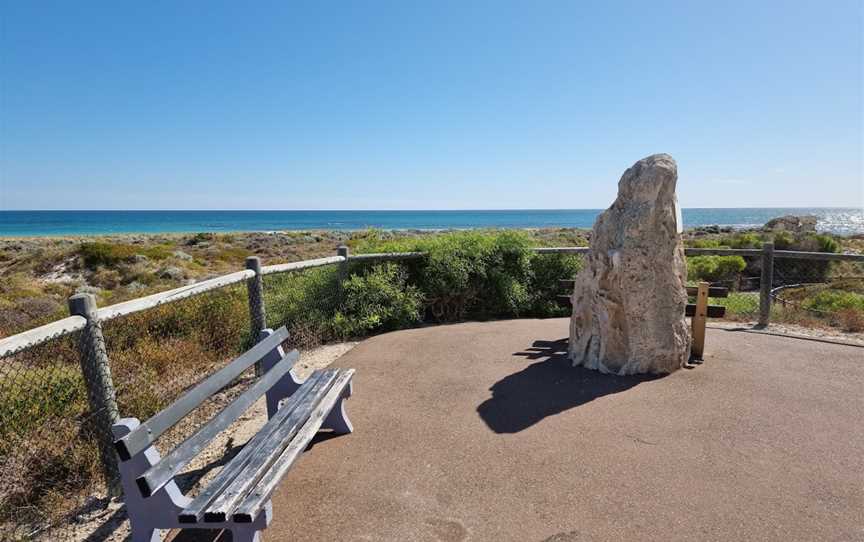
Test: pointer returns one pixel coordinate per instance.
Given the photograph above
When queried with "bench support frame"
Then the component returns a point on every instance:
(337, 420)
(159, 511)
(149, 515)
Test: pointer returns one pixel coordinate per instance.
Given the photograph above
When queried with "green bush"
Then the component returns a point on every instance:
(480, 274)
(304, 302)
(743, 240)
(714, 268)
(791, 271)
(379, 300)
(99, 253)
(31, 397)
(834, 301)
(547, 271)
(786, 271)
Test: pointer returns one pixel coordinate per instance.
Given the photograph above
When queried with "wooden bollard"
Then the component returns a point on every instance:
(698, 321)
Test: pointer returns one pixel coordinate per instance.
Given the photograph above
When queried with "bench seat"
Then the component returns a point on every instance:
(238, 497)
(242, 487)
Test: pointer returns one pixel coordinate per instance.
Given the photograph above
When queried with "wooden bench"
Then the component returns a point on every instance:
(238, 497)
(698, 311)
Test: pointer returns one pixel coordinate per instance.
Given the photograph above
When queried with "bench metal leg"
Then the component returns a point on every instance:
(245, 535)
(337, 420)
(286, 386)
(158, 511)
(251, 532)
(145, 535)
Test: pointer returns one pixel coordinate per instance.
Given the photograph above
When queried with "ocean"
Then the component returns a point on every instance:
(58, 223)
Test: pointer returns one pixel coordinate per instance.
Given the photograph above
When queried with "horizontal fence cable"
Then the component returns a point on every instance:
(35, 336)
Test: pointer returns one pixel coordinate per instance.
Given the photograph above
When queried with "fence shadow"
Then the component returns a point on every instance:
(546, 388)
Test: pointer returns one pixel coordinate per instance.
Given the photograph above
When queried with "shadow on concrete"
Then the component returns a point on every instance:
(548, 387)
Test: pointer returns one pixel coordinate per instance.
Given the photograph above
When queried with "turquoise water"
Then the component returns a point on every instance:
(39, 223)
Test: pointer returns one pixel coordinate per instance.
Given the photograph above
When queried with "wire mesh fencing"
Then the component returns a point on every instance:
(48, 456)
(53, 480)
(739, 274)
(305, 302)
(819, 293)
(54, 484)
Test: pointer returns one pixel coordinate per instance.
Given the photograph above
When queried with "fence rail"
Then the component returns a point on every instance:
(90, 346)
(38, 335)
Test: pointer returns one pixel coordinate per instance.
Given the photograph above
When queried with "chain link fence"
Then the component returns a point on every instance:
(819, 293)
(53, 485)
(741, 275)
(48, 456)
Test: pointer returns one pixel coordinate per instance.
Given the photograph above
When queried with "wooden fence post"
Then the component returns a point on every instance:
(255, 294)
(765, 283)
(698, 321)
(100, 388)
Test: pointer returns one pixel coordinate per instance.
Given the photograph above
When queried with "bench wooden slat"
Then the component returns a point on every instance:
(713, 291)
(714, 311)
(139, 439)
(161, 473)
(245, 513)
(224, 503)
(194, 512)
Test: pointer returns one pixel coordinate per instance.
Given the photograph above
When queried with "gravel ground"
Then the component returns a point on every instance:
(793, 331)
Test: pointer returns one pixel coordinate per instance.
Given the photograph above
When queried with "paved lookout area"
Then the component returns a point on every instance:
(481, 431)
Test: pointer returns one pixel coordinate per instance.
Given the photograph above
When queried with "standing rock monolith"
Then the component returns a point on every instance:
(629, 298)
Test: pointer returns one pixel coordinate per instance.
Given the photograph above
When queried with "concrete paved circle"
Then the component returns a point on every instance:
(481, 431)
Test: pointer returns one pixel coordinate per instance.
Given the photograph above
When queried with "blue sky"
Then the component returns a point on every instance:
(426, 105)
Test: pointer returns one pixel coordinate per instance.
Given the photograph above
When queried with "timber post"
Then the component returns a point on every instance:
(100, 388)
(698, 321)
(255, 293)
(765, 283)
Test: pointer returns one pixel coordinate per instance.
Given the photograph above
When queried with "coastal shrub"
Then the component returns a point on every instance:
(832, 301)
(703, 243)
(379, 300)
(30, 397)
(547, 270)
(739, 305)
(201, 237)
(851, 320)
(786, 271)
(714, 268)
(98, 253)
(304, 302)
(791, 271)
(232, 254)
(480, 274)
(45, 450)
(743, 240)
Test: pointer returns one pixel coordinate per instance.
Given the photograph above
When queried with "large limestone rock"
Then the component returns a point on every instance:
(629, 299)
(792, 223)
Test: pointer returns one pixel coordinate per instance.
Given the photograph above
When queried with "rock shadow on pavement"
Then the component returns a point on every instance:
(548, 387)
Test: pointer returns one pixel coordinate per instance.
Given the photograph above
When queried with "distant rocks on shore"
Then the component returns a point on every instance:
(792, 223)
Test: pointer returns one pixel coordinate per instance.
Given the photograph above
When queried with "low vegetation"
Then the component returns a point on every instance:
(47, 449)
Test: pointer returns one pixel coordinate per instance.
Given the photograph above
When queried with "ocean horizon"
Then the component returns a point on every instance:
(43, 223)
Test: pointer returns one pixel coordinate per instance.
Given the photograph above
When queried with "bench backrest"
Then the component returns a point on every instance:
(145, 434)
